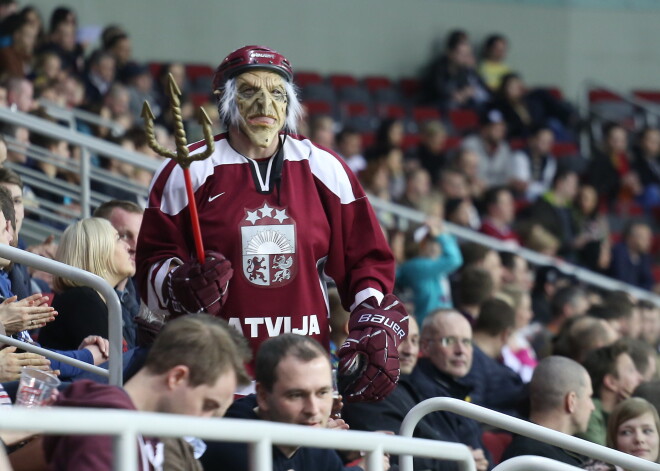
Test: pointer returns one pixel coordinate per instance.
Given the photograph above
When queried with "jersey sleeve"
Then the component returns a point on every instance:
(359, 259)
(162, 240)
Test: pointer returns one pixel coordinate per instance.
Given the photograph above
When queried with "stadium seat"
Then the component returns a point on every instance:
(304, 78)
(154, 69)
(496, 443)
(464, 121)
(409, 87)
(410, 141)
(319, 91)
(648, 95)
(354, 94)
(351, 109)
(199, 99)
(565, 149)
(342, 80)
(195, 71)
(374, 83)
(452, 143)
(390, 111)
(425, 113)
(318, 107)
(598, 95)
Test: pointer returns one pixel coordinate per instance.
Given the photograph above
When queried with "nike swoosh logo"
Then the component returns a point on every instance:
(211, 198)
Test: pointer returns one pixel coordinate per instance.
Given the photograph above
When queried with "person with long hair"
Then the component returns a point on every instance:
(93, 245)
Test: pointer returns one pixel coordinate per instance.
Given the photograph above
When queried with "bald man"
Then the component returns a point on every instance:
(560, 396)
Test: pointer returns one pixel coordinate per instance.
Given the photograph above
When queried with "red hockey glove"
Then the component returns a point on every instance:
(194, 287)
(369, 359)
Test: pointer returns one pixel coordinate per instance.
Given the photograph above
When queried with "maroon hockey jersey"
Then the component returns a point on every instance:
(284, 236)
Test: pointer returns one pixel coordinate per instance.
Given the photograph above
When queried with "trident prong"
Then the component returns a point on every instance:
(182, 155)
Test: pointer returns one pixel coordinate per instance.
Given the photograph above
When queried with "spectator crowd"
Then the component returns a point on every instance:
(485, 326)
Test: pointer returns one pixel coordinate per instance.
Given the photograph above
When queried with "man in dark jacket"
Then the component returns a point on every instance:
(447, 347)
(389, 413)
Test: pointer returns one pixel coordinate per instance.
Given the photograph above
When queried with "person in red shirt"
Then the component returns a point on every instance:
(279, 217)
(500, 213)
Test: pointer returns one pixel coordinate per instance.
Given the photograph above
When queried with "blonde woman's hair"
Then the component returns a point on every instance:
(88, 244)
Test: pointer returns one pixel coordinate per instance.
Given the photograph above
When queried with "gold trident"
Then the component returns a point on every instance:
(182, 155)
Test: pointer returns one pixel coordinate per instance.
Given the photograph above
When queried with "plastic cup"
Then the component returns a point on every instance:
(35, 387)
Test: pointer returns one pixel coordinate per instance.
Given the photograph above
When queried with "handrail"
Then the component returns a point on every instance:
(28, 347)
(521, 427)
(94, 144)
(529, 255)
(71, 114)
(259, 434)
(537, 463)
(115, 367)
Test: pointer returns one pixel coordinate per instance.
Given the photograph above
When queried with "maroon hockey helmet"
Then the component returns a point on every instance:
(251, 57)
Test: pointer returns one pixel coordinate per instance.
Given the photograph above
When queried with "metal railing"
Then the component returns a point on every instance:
(536, 258)
(260, 435)
(115, 366)
(71, 115)
(521, 427)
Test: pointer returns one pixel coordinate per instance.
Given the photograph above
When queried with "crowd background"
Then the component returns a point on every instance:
(467, 141)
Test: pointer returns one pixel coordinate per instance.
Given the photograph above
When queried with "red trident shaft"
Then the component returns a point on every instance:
(182, 155)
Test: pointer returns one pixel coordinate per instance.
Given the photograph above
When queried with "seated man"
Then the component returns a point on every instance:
(447, 347)
(495, 385)
(173, 380)
(389, 413)
(615, 378)
(294, 386)
(560, 393)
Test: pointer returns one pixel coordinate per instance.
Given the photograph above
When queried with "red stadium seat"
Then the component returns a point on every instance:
(368, 139)
(464, 121)
(648, 95)
(199, 99)
(374, 83)
(565, 149)
(452, 143)
(517, 144)
(599, 95)
(410, 141)
(340, 81)
(317, 107)
(354, 109)
(496, 443)
(305, 78)
(391, 111)
(425, 113)
(409, 87)
(154, 69)
(195, 71)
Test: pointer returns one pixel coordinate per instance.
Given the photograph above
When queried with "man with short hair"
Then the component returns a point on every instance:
(126, 218)
(279, 216)
(560, 394)
(446, 343)
(192, 368)
(614, 378)
(475, 287)
(533, 168)
(566, 303)
(294, 386)
(631, 259)
(495, 385)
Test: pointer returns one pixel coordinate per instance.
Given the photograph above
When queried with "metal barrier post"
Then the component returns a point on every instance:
(261, 455)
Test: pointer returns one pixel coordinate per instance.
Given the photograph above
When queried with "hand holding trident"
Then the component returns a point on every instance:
(182, 156)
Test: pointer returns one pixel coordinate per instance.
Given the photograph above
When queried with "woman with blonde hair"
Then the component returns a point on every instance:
(93, 245)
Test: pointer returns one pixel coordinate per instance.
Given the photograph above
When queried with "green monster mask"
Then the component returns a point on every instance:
(262, 103)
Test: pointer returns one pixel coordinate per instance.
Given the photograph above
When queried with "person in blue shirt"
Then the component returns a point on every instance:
(436, 256)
